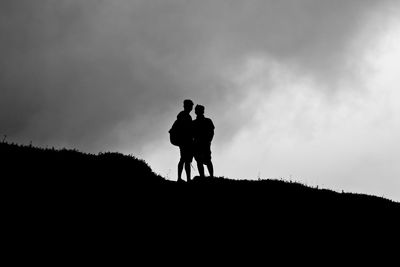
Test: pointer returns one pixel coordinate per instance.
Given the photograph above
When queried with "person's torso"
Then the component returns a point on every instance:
(185, 126)
(203, 129)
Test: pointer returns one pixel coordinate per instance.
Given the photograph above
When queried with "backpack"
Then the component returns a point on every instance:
(175, 134)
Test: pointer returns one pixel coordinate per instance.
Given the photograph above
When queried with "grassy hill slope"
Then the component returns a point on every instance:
(53, 199)
(34, 172)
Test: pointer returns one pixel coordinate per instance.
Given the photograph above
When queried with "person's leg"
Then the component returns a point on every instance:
(210, 168)
(200, 167)
(181, 163)
(187, 169)
(180, 169)
(207, 159)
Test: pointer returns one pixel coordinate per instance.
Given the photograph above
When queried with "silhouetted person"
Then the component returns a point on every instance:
(186, 139)
(203, 133)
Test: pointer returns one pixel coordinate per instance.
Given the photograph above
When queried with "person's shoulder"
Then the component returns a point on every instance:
(183, 116)
(210, 122)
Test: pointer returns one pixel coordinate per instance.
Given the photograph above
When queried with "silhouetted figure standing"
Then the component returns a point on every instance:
(186, 139)
(203, 133)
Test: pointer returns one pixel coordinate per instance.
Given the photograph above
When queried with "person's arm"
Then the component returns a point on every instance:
(212, 127)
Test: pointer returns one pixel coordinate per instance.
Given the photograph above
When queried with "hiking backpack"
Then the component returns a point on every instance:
(175, 134)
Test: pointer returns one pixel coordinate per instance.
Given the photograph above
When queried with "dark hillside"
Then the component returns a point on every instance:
(54, 199)
(33, 164)
(68, 176)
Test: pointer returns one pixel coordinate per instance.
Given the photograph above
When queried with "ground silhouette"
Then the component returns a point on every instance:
(73, 201)
(70, 172)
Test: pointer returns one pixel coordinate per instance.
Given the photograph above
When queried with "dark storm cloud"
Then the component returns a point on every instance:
(72, 72)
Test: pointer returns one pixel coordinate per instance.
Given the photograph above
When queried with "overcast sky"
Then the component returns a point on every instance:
(298, 89)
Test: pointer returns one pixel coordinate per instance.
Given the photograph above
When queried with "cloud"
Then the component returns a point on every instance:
(343, 141)
(112, 74)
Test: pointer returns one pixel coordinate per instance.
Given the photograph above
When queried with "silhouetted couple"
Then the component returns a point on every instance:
(195, 138)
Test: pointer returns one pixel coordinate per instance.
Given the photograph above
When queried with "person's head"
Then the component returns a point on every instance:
(199, 110)
(188, 105)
